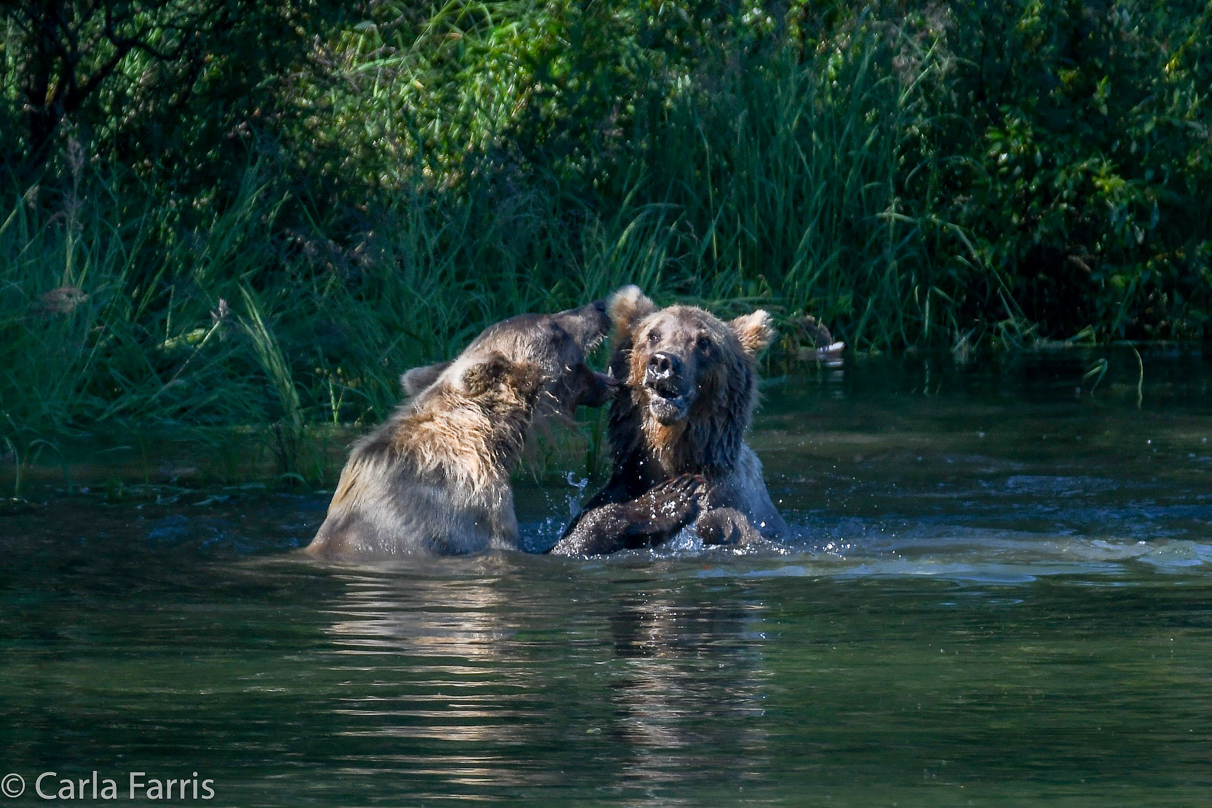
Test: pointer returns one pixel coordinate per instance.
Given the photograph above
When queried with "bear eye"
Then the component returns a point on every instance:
(703, 344)
(654, 336)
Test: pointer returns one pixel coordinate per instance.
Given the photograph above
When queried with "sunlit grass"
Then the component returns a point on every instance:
(454, 166)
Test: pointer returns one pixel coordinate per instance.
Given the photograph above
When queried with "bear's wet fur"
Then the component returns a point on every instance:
(434, 478)
(677, 431)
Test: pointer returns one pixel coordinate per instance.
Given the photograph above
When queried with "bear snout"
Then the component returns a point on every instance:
(601, 320)
(587, 325)
(599, 388)
(668, 402)
(664, 372)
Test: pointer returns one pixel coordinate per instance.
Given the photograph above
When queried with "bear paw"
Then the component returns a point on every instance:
(669, 506)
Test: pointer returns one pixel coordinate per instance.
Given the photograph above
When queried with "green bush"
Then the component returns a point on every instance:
(1074, 141)
(264, 216)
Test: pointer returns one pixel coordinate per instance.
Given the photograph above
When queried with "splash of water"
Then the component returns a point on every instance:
(574, 500)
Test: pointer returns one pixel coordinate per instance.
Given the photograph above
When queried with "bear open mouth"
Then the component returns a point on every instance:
(599, 389)
(667, 404)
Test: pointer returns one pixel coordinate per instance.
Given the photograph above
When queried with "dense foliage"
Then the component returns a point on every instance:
(221, 211)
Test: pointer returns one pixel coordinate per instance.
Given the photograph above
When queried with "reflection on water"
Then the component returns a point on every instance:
(420, 616)
(443, 634)
(463, 673)
(687, 699)
(998, 592)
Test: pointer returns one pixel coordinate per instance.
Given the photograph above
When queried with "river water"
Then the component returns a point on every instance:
(999, 593)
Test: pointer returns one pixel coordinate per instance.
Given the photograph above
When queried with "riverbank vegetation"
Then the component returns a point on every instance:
(217, 213)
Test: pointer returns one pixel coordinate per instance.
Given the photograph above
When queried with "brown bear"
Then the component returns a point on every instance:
(434, 479)
(677, 432)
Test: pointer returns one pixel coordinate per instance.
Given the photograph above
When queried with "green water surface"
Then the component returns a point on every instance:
(999, 593)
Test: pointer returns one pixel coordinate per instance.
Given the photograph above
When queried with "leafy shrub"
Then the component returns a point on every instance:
(363, 187)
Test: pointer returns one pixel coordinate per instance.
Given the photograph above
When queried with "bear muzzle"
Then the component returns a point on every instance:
(598, 390)
(587, 325)
(668, 401)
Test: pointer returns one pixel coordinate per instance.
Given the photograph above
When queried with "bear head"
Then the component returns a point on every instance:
(691, 380)
(556, 344)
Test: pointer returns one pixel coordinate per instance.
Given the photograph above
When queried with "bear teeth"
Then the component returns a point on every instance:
(667, 392)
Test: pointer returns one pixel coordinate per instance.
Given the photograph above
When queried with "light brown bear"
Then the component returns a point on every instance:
(434, 479)
(677, 432)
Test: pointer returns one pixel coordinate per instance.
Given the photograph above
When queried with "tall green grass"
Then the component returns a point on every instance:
(449, 169)
(120, 316)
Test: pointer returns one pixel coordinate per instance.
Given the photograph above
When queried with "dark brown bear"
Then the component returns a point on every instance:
(677, 432)
(434, 479)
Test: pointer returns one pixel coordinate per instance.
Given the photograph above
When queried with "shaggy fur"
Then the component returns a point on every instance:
(434, 479)
(689, 394)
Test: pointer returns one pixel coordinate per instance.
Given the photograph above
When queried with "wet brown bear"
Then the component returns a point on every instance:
(434, 479)
(677, 432)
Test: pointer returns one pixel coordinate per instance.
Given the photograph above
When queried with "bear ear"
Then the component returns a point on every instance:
(486, 373)
(627, 307)
(417, 379)
(755, 331)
